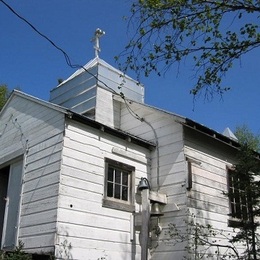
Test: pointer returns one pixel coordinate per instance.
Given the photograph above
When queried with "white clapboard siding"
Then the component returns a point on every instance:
(117, 113)
(97, 249)
(43, 181)
(213, 149)
(210, 206)
(46, 204)
(173, 253)
(33, 173)
(209, 181)
(39, 244)
(36, 129)
(172, 168)
(118, 226)
(208, 176)
(37, 230)
(81, 216)
(83, 174)
(104, 108)
(213, 162)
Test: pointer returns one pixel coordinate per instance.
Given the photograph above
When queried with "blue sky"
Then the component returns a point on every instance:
(31, 63)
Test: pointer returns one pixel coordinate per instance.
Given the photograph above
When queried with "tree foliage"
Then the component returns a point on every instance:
(4, 93)
(247, 172)
(246, 137)
(203, 241)
(17, 254)
(213, 33)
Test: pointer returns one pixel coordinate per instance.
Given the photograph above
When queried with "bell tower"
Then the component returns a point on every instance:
(90, 90)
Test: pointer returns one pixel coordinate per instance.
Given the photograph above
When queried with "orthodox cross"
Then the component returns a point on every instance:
(98, 34)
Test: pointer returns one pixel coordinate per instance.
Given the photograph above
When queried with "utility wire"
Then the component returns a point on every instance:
(66, 56)
(77, 66)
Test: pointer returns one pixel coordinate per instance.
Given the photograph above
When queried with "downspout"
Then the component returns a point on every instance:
(157, 153)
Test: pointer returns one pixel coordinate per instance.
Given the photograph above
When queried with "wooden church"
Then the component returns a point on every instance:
(95, 173)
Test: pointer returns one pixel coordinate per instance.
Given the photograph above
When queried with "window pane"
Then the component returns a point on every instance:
(245, 213)
(118, 176)
(110, 174)
(125, 193)
(110, 189)
(232, 208)
(117, 191)
(125, 178)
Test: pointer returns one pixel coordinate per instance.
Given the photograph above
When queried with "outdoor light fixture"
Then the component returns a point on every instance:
(143, 184)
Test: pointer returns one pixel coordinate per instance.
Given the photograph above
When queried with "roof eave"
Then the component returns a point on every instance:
(115, 132)
(211, 133)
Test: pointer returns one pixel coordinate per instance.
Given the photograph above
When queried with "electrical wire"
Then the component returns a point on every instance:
(66, 56)
(77, 66)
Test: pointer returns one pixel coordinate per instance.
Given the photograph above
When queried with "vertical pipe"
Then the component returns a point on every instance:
(145, 224)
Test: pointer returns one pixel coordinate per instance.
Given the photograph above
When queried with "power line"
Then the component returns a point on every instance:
(68, 61)
(77, 66)
(66, 56)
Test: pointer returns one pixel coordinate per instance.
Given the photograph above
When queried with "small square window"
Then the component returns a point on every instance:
(119, 181)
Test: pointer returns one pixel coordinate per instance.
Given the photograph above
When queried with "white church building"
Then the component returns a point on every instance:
(95, 173)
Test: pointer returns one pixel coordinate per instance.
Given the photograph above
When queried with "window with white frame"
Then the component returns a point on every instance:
(119, 181)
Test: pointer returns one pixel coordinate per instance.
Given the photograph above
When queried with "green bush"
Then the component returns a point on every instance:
(17, 254)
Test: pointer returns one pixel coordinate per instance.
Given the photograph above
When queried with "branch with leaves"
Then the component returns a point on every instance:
(204, 240)
(4, 94)
(212, 33)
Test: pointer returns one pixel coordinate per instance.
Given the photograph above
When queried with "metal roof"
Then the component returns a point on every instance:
(91, 64)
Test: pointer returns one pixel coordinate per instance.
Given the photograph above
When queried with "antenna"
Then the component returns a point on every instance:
(98, 33)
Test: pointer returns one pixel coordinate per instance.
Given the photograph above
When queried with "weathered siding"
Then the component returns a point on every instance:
(35, 131)
(77, 93)
(106, 108)
(172, 174)
(85, 228)
(114, 79)
(209, 161)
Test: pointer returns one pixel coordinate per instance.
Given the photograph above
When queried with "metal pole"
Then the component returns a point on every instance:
(145, 223)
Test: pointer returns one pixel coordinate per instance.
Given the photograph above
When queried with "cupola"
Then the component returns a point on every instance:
(86, 88)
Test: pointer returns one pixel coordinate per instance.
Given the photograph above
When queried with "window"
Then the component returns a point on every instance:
(238, 199)
(118, 193)
(189, 175)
